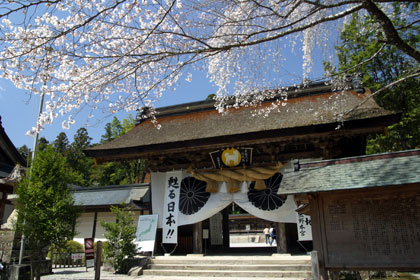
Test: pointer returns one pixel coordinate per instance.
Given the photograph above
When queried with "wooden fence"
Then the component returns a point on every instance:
(67, 259)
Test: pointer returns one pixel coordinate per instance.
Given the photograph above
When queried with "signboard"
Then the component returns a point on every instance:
(205, 234)
(231, 157)
(89, 253)
(146, 233)
(171, 207)
(376, 229)
(216, 230)
(77, 256)
(304, 227)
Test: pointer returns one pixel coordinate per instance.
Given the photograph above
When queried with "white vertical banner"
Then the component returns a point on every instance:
(171, 207)
(304, 227)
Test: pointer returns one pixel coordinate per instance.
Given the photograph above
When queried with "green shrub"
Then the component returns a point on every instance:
(74, 246)
(69, 247)
(120, 236)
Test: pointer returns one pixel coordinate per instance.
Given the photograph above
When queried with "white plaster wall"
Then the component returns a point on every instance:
(8, 209)
(106, 217)
(84, 225)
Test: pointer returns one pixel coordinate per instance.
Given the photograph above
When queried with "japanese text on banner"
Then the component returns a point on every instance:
(304, 227)
(171, 207)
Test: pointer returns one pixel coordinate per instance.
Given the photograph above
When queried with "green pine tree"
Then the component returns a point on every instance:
(77, 159)
(361, 51)
(45, 205)
(61, 143)
(120, 236)
(118, 172)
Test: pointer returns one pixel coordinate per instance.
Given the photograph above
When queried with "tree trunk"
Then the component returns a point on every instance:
(38, 264)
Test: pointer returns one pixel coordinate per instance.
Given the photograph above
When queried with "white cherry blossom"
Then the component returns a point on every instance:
(124, 54)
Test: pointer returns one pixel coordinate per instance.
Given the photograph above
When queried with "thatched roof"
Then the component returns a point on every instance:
(195, 125)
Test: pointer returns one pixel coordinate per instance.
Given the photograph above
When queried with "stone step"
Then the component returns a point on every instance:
(157, 277)
(262, 260)
(224, 267)
(241, 267)
(228, 273)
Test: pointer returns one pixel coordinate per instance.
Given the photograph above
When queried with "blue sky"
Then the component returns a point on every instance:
(19, 110)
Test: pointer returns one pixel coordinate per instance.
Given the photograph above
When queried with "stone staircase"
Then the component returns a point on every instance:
(229, 267)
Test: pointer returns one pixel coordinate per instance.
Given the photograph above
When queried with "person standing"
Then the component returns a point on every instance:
(272, 234)
(266, 232)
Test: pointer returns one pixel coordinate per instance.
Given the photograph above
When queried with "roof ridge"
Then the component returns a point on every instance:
(295, 91)
(109, 187)
(363, 158)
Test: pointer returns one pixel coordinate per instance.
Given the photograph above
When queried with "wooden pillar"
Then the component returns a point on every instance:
(198, 238)
(281, 238)
(317, 236)
(95, 218)
(98, 262)
(2, 206)
(225, 228)
(315, 266)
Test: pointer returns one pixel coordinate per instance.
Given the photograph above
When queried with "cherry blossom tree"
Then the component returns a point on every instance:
(127, 53)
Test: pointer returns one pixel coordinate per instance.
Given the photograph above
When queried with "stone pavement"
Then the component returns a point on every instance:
(79, 273)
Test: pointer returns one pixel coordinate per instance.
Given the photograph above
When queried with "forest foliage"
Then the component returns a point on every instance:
(46, 212)
(379, 65)
(87, 173)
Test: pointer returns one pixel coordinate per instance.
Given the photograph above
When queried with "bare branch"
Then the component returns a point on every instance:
(124, 52)
(24, 7)
(381, 90)
(392, 36)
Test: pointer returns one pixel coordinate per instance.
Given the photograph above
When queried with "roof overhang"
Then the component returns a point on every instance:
(350, 127)
(137, 195)
(11, 154)
(372, 171)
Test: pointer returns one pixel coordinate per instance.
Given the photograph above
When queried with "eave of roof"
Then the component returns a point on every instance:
(110, 195)
(9, 149)
(14, 176)
(379, 170)
(187, 125)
